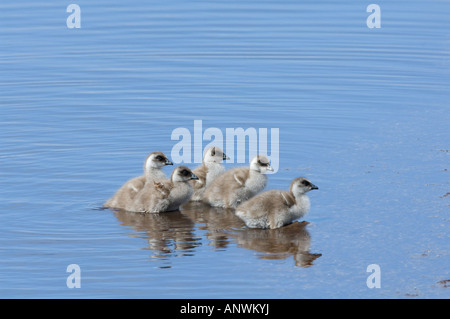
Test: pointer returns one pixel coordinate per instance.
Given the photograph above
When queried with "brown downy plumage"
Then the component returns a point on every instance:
(238, 184)
(153, 165)
(166, 195)
(210, 169)
(276, 208)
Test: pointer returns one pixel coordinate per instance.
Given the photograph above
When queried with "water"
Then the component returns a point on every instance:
(363, 113)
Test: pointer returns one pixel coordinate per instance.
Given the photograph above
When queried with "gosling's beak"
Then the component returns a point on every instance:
(193, 176)
(225, 157)
(270, 168)
(167, 162)
(314, 187)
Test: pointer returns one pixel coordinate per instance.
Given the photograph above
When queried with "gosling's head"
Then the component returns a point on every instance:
(260, 163)
(301, 185)
(156, 160)
(182, 174)
(214, 155)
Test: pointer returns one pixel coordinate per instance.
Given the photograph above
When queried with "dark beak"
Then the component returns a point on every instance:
(168, 162)
(225, 157)
(193, 176)
(314, 187)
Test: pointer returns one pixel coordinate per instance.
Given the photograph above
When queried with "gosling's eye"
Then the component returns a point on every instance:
(159, 158)
(262, 164)
(306, 183)
(185, 172)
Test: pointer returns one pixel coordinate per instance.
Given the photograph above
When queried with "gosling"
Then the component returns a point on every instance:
(210, 169)
(276, 208)
(238, 184)
(153, 165)
(167, 195)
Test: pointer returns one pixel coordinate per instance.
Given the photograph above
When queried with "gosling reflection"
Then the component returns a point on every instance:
(177, 233)
(291, 240)
(171, 233)
(224, 227)
(218, 222)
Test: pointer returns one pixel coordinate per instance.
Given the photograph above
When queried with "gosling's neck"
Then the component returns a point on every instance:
(301, 199)
(154, 173)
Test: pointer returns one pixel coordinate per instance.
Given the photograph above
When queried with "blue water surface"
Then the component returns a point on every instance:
(363, 113)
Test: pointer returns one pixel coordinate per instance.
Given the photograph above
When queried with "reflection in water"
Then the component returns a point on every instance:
(291, 240)
(216, 221)
(224, 226)
(169, 233)
(173, 233)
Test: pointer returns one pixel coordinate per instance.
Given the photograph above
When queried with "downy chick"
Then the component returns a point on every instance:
(153, 165)
(276, 208)
(238, 184)
(210, 169)
(166, 195)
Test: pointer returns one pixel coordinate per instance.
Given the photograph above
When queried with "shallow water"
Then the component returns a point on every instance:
(363, 113)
